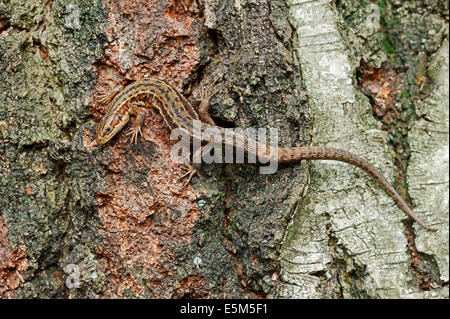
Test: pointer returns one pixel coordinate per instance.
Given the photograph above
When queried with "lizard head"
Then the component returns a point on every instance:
(109, 126)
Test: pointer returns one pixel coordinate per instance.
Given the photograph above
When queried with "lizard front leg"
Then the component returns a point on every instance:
(205, 103)
(137, 109)
(104, 97)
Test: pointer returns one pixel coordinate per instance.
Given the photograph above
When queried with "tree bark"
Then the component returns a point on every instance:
(82, 221)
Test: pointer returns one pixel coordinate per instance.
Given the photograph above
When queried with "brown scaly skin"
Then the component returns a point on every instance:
(177, 112)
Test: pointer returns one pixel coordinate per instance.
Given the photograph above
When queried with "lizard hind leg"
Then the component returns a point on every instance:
(190, 169)
(190, 172)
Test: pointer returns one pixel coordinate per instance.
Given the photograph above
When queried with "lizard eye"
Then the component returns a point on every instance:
(108, 129)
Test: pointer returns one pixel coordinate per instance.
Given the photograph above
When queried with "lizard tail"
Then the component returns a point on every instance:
(329, 153)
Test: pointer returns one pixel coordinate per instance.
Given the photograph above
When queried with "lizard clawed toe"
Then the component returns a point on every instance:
(190, 172)
(204, 92)
(205, 97)
(134, 132)
(105, 97)
(137, 108)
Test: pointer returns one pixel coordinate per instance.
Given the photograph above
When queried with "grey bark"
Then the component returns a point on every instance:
(428, 171)
(344, 215)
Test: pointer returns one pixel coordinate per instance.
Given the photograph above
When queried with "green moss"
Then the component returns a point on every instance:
(382, 5)
(389, 48)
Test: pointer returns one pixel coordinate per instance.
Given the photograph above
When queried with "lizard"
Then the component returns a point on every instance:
(177, 112)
